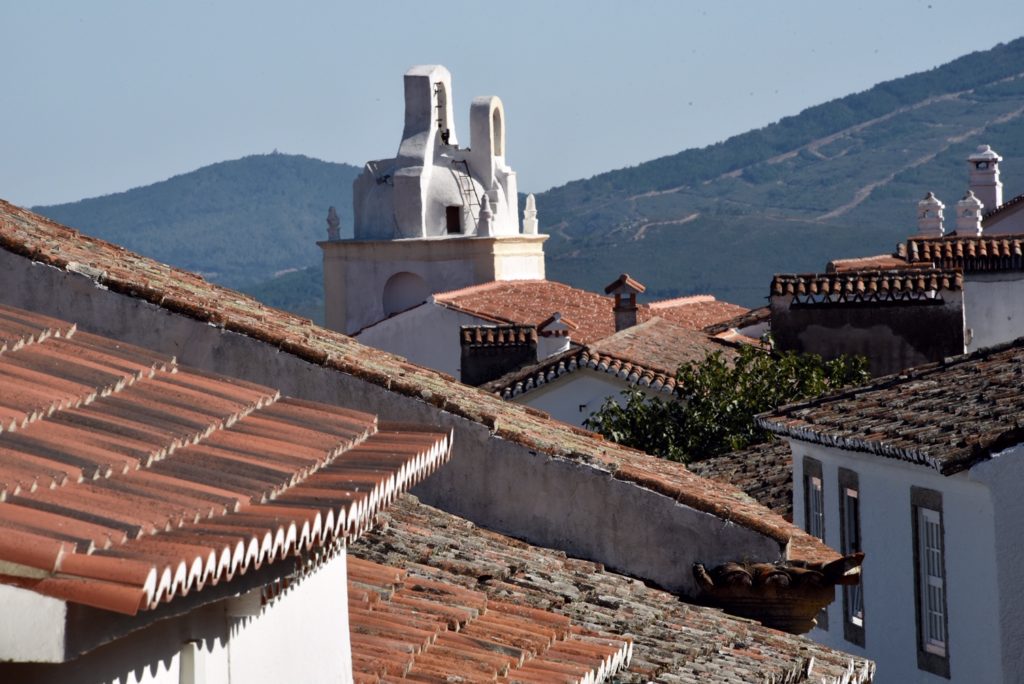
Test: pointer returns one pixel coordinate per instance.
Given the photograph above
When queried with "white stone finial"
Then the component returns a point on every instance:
(333, 225)
(530, 216)
(485, 226)
(968, 215)
(929, 216)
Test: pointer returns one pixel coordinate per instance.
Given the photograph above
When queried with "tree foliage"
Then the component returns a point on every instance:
(718, 399)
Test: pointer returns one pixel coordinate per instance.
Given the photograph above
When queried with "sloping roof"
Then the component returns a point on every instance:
(405, 624)
(531, 302)
(947, 416)
(647, 354)
(976, 253)
(673, 642)
(857, 286)
(127, 480)
(695, 312)
(764, 471)
(118, 270)
(746, 319)
(1005, 207)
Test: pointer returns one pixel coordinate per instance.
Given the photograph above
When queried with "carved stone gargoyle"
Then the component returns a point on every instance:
(785, 596)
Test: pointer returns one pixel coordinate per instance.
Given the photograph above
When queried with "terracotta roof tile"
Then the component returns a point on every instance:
(764, 471)
(647, 354)
(971, 254)
(672, 641)
(127, 480)
(947, 416)
(408, 626)
(121, 271)
(695, 312)
(863, 286)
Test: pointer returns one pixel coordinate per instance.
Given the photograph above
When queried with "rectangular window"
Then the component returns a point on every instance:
(814, 512)
(930, 581)
(850, 542)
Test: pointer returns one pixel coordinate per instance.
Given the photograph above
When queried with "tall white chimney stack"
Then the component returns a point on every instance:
(985, 183)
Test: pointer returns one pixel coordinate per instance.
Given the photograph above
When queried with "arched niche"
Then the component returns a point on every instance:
(403, 291)
(498, 131)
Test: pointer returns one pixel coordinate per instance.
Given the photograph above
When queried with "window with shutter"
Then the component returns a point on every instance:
(930, 581)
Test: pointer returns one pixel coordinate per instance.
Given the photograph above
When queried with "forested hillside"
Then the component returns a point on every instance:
(238, 222)
(837, 180)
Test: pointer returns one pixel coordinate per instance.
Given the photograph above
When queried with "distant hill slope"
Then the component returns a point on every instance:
(237, 222)
(839, 179)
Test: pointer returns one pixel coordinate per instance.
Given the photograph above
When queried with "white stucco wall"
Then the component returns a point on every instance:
(300, 636)
(574, 396)
(993, 308)
(427, 335)
(1004, 476)
(555, 502)
(1010, 222)
(888, 573)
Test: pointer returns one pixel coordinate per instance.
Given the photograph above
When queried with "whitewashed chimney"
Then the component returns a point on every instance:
(985, 183)
(929, 216)
(530, 216)
(968, 215)
(554, 336)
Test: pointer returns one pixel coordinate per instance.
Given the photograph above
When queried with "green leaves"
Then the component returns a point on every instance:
(718, 400)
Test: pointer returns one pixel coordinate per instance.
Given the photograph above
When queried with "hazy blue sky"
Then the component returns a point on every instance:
(102, 96)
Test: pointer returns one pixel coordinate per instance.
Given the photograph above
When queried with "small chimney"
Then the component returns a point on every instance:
(625, 290)
(554, 336)
(985, 183)
(929, 216)
(530, 216)
(333, 225)
(968, 215)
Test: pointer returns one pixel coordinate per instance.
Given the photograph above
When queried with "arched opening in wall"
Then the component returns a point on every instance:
(403, 291)
(497, 133)
(441, 111)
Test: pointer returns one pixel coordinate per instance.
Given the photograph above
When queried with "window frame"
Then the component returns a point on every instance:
(853, 624)
(930, 658)
(812, 471)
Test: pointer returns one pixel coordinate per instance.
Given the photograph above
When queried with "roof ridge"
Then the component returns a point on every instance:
(486, 287)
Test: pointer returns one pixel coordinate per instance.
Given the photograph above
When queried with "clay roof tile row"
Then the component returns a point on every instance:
(867, 285)
(670, 641)
(406, 626)
(127, 480)
(974, 253)
(117, 270)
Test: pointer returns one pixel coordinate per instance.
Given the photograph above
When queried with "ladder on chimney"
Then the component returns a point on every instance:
(460, 169)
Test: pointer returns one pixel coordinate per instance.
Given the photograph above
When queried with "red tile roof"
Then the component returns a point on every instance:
(118, 270)
(407, 625)
(673, 641)
(127, 480)
(764, 471)
(624, 283)
(647, 354)
(695, 312)
(531, 302)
